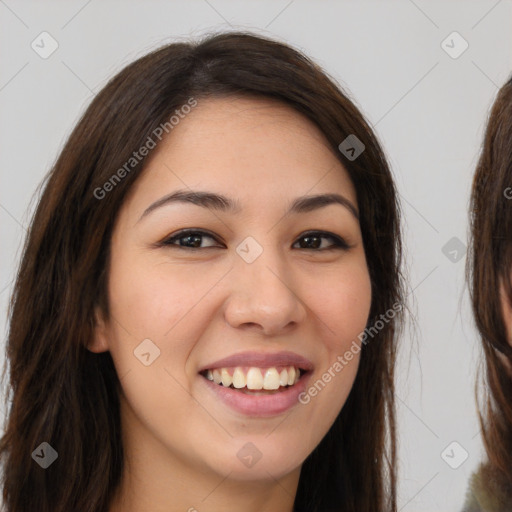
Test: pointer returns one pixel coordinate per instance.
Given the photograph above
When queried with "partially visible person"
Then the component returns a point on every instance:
(489, 273)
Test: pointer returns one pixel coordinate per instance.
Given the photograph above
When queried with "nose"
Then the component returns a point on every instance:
(263, 297)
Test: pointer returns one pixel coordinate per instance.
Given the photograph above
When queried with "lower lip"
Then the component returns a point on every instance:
(260, 405)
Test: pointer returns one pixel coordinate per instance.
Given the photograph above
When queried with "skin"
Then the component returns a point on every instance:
(506, 311)
(181, 442)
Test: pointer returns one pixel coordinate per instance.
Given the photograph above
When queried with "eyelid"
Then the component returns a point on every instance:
(167, 241)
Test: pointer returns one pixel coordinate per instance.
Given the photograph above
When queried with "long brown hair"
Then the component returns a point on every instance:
(489, 265)
(67, 396)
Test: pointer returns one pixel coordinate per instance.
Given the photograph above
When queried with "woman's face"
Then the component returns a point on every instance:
(252, 284)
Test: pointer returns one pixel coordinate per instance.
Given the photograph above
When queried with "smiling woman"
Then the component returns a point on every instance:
(163, 337)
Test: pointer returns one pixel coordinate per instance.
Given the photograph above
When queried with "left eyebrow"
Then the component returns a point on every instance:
(222, 203)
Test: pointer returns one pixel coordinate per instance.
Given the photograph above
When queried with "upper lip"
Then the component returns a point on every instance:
(261, 360)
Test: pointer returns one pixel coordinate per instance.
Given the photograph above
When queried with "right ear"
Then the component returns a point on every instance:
(99, 341)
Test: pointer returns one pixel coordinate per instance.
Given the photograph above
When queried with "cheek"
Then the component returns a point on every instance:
(156, 299)
(152, 307)
(169, 305)
(343, 305)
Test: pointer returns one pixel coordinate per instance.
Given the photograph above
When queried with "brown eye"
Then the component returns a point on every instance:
(313, 240)
(188, 239)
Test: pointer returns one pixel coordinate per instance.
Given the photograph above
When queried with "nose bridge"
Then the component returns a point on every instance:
(262, 290)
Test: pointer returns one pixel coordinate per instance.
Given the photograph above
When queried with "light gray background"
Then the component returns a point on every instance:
(427, 108)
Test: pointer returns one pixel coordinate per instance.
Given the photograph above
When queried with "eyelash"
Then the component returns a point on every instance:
(338, 242)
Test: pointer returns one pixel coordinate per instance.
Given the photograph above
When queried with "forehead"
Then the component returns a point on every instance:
(252, 127)
(259, 150)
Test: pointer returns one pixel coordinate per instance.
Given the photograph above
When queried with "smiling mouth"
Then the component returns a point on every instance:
(254, 380)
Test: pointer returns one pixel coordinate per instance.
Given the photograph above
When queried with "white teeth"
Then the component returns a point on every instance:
(291, 375)
(238, 378)
(271, 380)
(226, 378)
(256, 378)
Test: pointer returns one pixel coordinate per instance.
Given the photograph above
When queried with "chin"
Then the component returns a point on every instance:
(258, 460)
